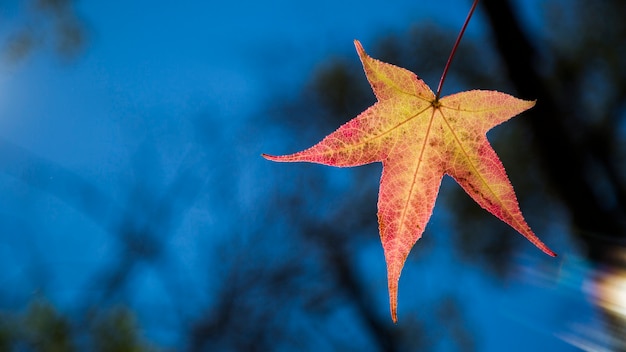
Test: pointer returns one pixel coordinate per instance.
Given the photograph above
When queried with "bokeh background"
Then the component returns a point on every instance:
(136, 212)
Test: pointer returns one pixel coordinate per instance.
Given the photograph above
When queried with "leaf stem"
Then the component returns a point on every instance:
(456, 44)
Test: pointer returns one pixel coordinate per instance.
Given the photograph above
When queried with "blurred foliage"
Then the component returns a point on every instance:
(42, 328)
(116, 330)
(35, 24)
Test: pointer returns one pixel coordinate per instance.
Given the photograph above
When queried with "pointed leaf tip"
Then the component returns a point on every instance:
(549, 252)
(393, 303)
(270, 157)
(359, 48)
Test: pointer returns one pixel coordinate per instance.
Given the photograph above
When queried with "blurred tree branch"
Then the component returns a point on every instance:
(566, 159)
(260, 290)
(52, 24)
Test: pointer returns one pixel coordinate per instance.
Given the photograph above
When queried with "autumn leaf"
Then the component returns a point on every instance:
(419, 139)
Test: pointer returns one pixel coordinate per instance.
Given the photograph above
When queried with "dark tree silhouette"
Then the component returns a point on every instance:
(49, 24)
(575, 127)
(289, 278)
(578, 157)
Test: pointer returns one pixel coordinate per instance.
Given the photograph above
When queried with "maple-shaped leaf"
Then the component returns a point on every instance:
(419, 138)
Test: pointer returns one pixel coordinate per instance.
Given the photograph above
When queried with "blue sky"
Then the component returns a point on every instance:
(147, 70)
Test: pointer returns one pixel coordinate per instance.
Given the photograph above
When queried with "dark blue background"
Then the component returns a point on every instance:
(169, 89)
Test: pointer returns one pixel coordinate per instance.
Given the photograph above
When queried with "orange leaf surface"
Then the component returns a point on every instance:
(419, 139)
